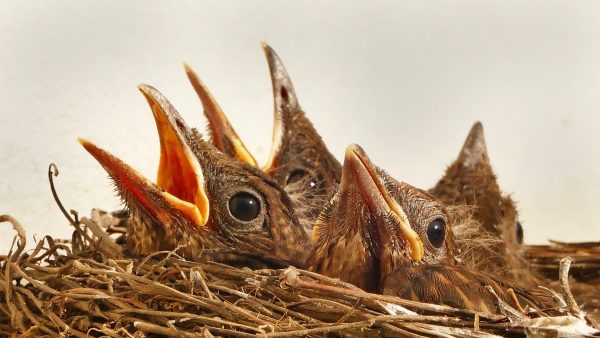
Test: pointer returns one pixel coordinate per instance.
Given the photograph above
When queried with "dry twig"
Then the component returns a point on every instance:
(89, 287)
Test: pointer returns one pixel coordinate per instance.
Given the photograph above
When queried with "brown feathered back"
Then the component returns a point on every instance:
(464, 288)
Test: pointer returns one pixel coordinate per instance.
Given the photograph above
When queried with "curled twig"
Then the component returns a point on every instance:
(22, 238)
(53, 172)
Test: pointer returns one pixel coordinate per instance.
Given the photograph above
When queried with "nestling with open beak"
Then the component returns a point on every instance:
(299, 160)
(203, 198)
(470, 180)
(386, 236)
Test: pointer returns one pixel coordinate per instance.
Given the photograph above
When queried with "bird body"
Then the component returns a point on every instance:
(389, 237)
(212, 200)
(204, 199)
(463, 288)
(470, 181)
(299, 160)
(372, 221)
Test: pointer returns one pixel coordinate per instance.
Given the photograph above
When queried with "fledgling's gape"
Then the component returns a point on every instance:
(212, 200)
(204, 201)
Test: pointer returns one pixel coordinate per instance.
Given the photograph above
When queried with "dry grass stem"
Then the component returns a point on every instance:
(88, 286)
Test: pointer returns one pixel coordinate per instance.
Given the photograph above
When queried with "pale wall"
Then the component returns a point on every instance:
(406, 81)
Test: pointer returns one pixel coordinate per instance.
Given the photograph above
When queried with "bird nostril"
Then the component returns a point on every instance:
(296, 176)
(284, 94)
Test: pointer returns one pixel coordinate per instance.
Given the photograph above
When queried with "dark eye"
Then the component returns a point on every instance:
(295, 176)
(244, 206)
(436, 232)
(519, 230)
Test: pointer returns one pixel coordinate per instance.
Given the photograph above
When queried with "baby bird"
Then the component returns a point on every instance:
(374, 224)
(203, 200)
(389, 237)
(299, 160)
(470, 180)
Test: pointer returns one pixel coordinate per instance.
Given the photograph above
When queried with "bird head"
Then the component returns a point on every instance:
(201, 188)
(299, 160)
(158, 219)
(374, 224)
(470, 180)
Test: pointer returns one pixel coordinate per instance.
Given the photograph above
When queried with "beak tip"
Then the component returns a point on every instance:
(187, 67)
(354, 151)
(149, 93)
(272, 57)
(85, 143)
(144, 88)
(477, 130)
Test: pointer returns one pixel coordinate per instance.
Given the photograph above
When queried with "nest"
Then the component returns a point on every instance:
(585, 255)
(87, 286)
(585, 269)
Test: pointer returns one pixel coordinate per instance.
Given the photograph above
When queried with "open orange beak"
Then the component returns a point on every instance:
(180, 183)
(364, 174)
(224, 136)
(179, 172)
(135, 188)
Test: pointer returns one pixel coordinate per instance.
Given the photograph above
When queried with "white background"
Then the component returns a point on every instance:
(404, 80)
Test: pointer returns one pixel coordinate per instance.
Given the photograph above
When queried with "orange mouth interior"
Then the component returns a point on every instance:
(179, 173)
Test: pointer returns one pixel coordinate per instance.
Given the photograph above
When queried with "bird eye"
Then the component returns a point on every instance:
(519, 230)
(296, 176)
(244, 206)
(436, 232)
